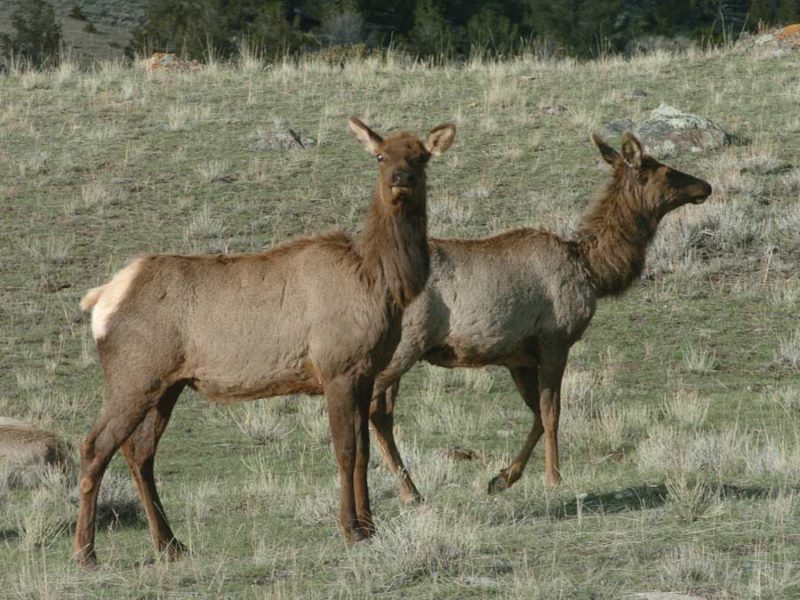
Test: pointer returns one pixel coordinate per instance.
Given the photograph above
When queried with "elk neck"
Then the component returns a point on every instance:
(614, 233)
(394, 246)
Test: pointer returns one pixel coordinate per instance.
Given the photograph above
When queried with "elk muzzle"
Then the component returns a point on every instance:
(402, 179)
(703, 191)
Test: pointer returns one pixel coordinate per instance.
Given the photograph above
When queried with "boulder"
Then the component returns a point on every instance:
(667, 130)
(281, 137)
(776, 42)
(662, 596)
(24, 446)
(618, 127)
(170, 62)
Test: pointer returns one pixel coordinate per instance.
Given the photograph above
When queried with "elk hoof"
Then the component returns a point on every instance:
(354, 536)
(85, 560)
(411, 498)
(552, 480)
(498, 483)
(367, 531)
(174, 550)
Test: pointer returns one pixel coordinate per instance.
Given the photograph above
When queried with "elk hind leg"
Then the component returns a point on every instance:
(122, 413)
(527, 381)
(382, 418)
(140, 450)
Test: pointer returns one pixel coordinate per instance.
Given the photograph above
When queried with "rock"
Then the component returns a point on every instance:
(618, 127)
(229, 178)
(667, 130)
(282, 138)
(637, 94)
(661, 596)
(26, 447)
(170, 62)
(481, 582)
(556, 109)
(457, 453)
(771, 43)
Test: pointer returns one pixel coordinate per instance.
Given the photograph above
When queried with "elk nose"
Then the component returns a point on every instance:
(707, 189)
(402, 178)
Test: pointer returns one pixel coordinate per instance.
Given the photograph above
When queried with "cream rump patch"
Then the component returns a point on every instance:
(104, 300)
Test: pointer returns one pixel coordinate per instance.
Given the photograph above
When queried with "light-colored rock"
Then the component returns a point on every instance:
(281, 137)
(170, 62)
(23, 445)
(667, 130)
(661, 596)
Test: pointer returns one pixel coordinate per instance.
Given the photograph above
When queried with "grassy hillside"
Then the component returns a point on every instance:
(681, 457)
(113, 21)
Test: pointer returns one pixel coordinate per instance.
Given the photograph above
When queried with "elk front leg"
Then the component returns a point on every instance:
(341, 396)
(361, 430)
(550, 374)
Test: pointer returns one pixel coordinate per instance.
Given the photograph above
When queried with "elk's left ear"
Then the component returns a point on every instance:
(631, 150)
(440, 138)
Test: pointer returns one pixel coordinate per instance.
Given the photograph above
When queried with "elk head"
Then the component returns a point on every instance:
(660, 188)
(402, 158)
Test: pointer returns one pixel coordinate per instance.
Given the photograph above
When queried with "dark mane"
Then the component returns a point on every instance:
(614, 233)
(394, 249)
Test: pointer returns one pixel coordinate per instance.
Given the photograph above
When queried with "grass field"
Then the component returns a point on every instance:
(681, 457)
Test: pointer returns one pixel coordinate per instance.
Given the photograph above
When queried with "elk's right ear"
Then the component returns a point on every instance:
(609, 155)
(368, 138)
(440, 138)
(632, 150)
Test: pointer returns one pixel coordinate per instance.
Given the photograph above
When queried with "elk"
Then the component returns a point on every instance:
(315, 315)
(522, 298)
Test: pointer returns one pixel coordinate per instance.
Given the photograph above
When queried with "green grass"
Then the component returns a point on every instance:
(98, 166)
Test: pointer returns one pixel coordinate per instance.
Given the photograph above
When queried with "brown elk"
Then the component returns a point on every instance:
(521, 299)
(315, 315)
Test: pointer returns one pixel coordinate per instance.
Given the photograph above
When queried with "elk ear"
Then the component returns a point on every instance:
(368, 138)
(440, 138)
(607, 152)
(632, 150)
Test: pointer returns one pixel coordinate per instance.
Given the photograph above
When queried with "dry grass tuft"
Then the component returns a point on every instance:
(788, 352)
(421, 544)
(686, 408)
(261, 421)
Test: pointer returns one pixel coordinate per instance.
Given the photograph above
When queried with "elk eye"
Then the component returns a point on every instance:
(380, 157)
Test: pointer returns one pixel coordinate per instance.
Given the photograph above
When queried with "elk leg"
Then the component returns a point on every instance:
(340, 394)
(550, 375)
(361, 431)
(140, 451)
(382, 417)
(527, 382)
(121, 415)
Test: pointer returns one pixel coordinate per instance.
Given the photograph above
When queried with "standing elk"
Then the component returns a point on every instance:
(315, 315)
(522, 298)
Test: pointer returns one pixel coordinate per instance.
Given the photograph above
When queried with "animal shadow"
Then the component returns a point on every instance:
(643, 497)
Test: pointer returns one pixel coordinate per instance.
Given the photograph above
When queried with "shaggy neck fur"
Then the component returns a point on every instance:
(614, 234)
(394, 247)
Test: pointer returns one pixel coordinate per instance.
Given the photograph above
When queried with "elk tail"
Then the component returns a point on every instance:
(91, 297)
